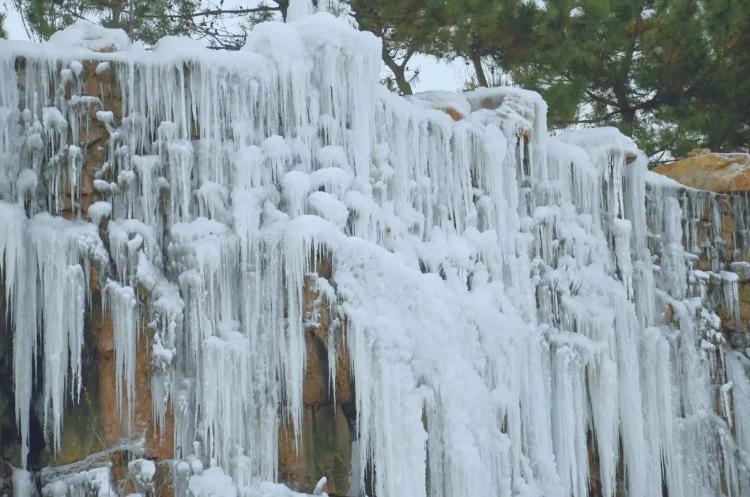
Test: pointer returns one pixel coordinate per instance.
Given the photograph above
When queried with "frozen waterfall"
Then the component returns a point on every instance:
(521, 314)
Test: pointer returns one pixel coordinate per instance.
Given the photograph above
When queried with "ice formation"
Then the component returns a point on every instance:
(505, 300)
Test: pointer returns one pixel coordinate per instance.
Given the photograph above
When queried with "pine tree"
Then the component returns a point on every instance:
(3, 34)
(472, 29)
(407, 27)
(145, 20)
(479, 29)
(667, 72)
(149, 20)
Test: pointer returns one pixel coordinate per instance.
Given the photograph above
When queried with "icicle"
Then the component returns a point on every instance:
(46, 295)
(299, 9)
(731, 297)
(123, 307)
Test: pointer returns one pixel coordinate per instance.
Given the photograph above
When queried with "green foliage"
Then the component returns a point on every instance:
(501, 29)
(446, 29)
(670, 73)
(667, 72)
(406, 27)
(3, 34)
(145, 20)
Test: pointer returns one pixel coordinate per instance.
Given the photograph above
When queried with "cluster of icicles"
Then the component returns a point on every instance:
(502, 284)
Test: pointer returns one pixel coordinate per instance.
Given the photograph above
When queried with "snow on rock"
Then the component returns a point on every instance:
(26, 184)
(94, 482)
(84, 34)
(295, 187)
(98, 211)
(455, 104)
(22, 483)
(512, 302)
(142, 472)
(328, 207)
(210, 482)
(334, 180)
(214, 482)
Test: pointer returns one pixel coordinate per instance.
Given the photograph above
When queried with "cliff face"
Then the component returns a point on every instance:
(714, 203)
(222, 271)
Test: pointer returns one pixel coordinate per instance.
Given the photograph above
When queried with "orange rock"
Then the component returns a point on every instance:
(710, 171)
(327, 429)
(455, 115)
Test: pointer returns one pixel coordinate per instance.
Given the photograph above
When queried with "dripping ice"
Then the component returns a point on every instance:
(499, 283)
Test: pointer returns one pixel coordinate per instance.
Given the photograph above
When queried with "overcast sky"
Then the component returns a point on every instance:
(433, 74)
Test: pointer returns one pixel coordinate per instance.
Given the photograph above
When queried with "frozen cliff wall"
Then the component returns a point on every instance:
(225, 270)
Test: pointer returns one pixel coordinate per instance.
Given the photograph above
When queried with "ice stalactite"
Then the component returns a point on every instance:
(165, 307)
(123, 306)
(20, 301)
(299, 9)
(46, 262)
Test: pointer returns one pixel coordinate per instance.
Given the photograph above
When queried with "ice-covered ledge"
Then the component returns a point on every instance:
(281, 271)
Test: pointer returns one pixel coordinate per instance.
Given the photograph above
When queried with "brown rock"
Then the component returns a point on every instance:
(323, 447)
(455, 115)
(714, 172)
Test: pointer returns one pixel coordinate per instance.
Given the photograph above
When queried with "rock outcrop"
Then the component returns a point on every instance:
(714, 200)
(713, 172)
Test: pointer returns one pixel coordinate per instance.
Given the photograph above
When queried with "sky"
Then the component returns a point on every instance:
(434, 74)
(13, 24)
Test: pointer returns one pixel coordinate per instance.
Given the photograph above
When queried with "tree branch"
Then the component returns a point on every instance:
(476, 60)
(398, 71)
(219, 12)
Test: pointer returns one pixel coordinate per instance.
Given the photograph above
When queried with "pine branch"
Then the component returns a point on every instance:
(220, 12)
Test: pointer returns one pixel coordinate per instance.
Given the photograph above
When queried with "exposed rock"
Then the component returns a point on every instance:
(718, 202)
(714, 172)
(327, 423)
(455, 115)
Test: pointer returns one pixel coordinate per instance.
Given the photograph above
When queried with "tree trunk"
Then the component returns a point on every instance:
(403, 85)
(399, 72)
(116, 13)
(627, 114)
(283, 7)
(476, 59)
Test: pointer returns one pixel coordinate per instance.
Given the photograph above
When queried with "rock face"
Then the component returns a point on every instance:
(715, 202)
(277, 273)
(714, 172)
(328, 423)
